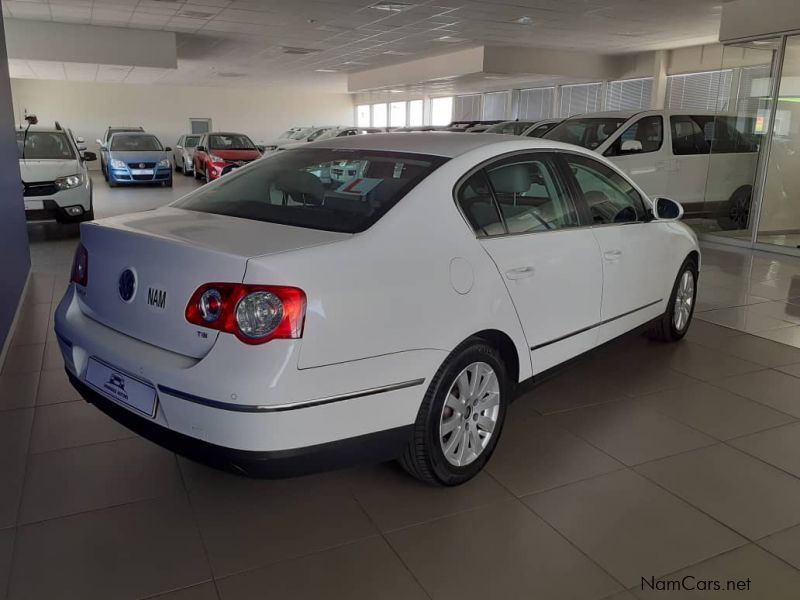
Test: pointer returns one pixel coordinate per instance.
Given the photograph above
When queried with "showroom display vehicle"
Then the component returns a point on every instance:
(102, 143)
(55, 177)
(183, 153)
(218, 153)
(540, 128)
(136, 158)
(277, 321)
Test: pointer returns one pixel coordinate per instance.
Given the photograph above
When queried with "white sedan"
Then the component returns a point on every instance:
(279, 321)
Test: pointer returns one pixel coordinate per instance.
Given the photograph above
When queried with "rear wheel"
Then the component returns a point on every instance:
(461, 416)
(196, 173)
(675, 321)
(737, 212)
(187, 169)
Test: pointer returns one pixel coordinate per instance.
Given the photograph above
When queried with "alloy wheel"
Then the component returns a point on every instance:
(684, 299)
(469, 414)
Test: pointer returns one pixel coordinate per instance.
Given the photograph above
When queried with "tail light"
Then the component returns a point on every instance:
(253, 313)
(80, 266)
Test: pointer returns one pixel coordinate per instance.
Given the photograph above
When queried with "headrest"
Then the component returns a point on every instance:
(512, 179)
(301, 182)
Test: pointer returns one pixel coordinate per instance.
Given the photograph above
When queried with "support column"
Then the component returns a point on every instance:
(659, 95)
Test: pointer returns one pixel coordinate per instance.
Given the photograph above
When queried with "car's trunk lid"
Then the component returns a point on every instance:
(170, 253)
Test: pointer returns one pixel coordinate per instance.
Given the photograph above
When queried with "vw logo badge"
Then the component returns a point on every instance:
(127, 285)
(141, 165)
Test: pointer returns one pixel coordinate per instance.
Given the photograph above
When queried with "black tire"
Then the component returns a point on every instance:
(664, 329)
(111, 182)
(187, 171)
(207, 176)
(168, 183)
(177, 168)
(103, 169)
(737, 211)
(196, 173)
(424, 457)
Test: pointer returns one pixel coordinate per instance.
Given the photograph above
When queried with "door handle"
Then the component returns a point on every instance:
(612, 255)
(520, 273)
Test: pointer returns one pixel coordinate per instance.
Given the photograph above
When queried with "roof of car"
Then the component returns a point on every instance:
(43, 128)
(221, 133)
(134, 133)
(437, 143)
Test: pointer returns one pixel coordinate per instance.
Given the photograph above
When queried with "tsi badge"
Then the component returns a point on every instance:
(157, 298)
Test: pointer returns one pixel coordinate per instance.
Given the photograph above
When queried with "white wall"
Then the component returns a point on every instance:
(88, 108)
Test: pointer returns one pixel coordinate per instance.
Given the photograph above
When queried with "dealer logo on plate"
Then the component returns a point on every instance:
(157, 298)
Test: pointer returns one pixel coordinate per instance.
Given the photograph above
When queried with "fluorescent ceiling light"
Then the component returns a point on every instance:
(524, 20)
(390, 6)
(449, 39)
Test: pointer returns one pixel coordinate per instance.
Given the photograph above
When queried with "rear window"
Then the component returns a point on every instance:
(588, 133)
(320, 188)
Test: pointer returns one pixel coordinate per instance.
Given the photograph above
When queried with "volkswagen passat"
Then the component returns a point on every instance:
(278, 320)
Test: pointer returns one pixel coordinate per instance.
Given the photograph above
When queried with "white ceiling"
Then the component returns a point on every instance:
(244, 42)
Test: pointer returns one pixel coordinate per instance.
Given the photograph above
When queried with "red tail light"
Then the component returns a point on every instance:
(253, 313)
(80, 266)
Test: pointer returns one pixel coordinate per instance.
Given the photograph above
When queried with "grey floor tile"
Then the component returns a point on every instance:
(769, 578)
(54, 388)
(40, 288)
(716, 411)
(97, 476)
(779, 447)
(534, 454)
(18, 390)
(204, 591)
(393, 499)
(621, 596)
(32, 326)
(631, 527)
(71, 424)
(647, 380)
(778, 310)
(773, 388)
(785, 544)
(6, 552)
(15, 429)
(758, 350)
(743, 319)
(249, 523)
(703, 332)
(706, 363)
(632, 432)
(52, 358)
(746, 494)
(23, 359)
(364, 570)
(518, 554)
(787, 335)
(793, 370)
(130, 551)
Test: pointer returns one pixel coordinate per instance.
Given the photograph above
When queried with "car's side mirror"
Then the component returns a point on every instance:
(630, 146)
(667, 209)
(89, 156)
(99, 142)
(200, 149)
(179, 147)
(80, 140)
(167, 149)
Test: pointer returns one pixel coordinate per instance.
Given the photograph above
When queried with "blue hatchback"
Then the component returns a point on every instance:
(137, 158)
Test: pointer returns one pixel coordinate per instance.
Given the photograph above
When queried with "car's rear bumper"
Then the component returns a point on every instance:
(374, 447)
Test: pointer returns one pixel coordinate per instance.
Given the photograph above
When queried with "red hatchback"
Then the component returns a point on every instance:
(219, 153)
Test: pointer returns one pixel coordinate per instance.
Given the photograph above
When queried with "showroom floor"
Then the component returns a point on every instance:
(640, 460)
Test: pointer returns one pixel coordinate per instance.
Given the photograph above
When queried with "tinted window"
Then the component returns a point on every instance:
(539, 131)
(477, 204)
(298, 187)
(609, 196)
(512, 128)
(135, 143)
(647, 131)
(689, 135)
(530, 195)
(732, 135)
(230, 141)
(588, 132)
(44, 145)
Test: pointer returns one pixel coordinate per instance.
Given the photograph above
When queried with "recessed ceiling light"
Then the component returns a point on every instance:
(297, 50)
(390, 6)
(524, 20)
(354, 62)
(195, 14)
(326, 70)
(230, 74)
(397, 53)
(396, 91)
(449, 39)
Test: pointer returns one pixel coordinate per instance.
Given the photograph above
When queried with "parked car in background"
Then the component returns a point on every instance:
(704, 160)
(465, 125)
(55, 179)
(183, 153)
(509, 127)
(292, 292)
(103, 143)
(136, 158)
(540, 128)
(221, 152)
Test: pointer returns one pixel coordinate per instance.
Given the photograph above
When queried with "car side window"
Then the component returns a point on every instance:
(477, 203)
(609, 197)
(647, 131)
(688, 137)
(530, 195)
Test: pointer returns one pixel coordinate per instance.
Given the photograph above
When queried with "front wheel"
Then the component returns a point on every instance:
(675, 321)
(461, 416)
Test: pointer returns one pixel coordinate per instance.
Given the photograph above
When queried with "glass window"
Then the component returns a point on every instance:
(536, 103)
(415, 113)
(191, 141)
(230, 141)
(495, 105)
(629, 94)
(362, 115)
(689, 135)
(579, 98)
(121, 142)
(647, 131)
(530, 195)
(441, 110)
(540, 130)
(478, 205)
(588, 132)
(397, 114)
(319, 188)
(710, 90)
(609, 196)
(379, 116)
(467, 108)
(509, 127)
(44, 145)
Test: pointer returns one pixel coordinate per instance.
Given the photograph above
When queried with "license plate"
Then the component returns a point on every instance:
(121, 387)
(141, 171)
(34, 204)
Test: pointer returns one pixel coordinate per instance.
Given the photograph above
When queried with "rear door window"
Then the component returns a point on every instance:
(647, 131)
(689, 135)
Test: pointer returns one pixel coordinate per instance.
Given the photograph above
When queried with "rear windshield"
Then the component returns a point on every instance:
(319, 188)
(230, 141)
(589, 132)
(135, 143)
(44, 145)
